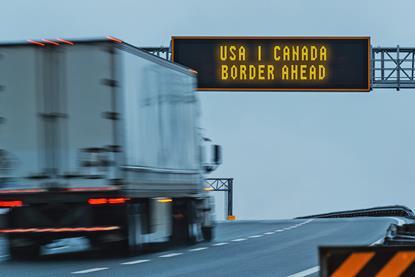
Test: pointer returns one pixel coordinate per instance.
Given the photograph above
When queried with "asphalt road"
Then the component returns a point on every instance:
(241, 248)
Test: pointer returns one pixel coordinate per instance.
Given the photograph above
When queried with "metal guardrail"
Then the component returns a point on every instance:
(374, 212)
(400, 235)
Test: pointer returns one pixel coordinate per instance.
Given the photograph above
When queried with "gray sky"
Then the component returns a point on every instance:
(290, 153)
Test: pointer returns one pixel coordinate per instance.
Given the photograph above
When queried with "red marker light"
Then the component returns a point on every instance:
(103, 201)
(114, 39)
(120, 200)
(97, 201)
(11, 204)
(65, 41)
(50, 42)
(35, 42)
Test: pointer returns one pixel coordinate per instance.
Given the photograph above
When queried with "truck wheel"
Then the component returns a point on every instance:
(193, 227)
(135, 232)
(24, 252)
(185, 227)
(208, 233)
(191, 238)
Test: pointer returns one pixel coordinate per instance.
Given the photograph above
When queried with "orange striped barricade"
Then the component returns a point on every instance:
(378, 261)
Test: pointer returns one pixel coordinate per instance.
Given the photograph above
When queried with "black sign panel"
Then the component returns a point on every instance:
(276, 63)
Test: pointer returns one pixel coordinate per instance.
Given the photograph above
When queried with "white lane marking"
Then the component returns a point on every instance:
(220, 243)
(170, 255)
(255, 236)
(197, 249)
(135, 262)
(294, 226)
(268, 233)
(306, 272)
(90, 270)
(310, 270)
(236, 240)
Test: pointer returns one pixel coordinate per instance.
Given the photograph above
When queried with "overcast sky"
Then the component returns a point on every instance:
(290, 153)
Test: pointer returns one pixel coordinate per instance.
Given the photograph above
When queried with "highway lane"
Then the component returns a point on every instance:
(241, 248)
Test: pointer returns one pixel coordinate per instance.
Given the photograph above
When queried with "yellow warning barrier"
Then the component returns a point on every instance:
(378, 261)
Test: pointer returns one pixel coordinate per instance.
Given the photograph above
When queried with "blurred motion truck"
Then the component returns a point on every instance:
(100, 139)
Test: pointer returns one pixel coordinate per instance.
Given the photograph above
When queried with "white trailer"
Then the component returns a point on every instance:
(99, 139)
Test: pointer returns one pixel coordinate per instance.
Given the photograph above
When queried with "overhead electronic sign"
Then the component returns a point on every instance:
(276, 63)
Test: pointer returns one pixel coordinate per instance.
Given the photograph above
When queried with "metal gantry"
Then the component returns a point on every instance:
(391, 67)
(225, 185)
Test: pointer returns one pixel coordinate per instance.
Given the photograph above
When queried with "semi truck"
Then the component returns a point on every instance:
(101, 140)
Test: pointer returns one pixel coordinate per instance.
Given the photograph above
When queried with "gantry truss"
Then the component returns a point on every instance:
(225, 185)
(393, 67)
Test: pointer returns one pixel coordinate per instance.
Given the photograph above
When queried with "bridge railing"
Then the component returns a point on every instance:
(397, 210)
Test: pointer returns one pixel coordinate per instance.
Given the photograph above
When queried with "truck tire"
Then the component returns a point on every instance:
(208, 233)
(133, 243)
(129, 238)
(186, 228)
(192, 234)
(193, 226)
